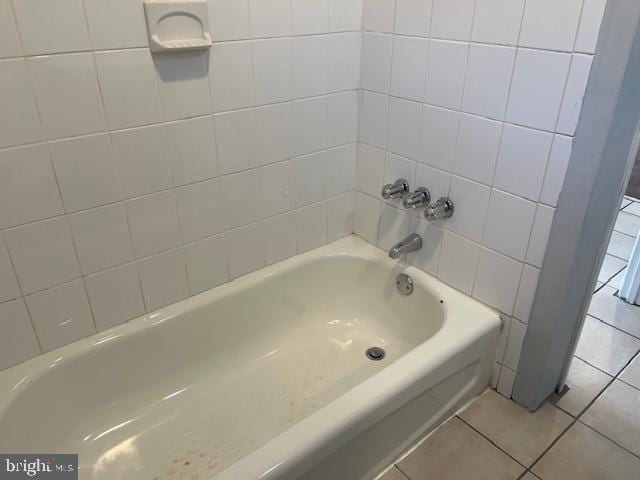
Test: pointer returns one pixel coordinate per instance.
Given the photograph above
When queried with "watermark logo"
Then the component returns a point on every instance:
(38, 467)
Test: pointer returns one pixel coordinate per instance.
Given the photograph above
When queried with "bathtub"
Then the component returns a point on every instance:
(265, 377)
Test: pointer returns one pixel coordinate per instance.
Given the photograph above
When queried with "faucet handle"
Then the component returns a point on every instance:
(443, 208)
(398, 189)
(418, 199)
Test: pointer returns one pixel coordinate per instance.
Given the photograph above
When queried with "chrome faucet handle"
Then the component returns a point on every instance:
(418, 199)
(398, 189)
(443, 208)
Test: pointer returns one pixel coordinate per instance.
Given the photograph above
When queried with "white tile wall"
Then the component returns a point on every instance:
(503, 83)
(129, 180)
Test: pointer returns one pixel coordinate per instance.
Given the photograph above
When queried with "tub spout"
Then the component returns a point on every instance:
(410, 244)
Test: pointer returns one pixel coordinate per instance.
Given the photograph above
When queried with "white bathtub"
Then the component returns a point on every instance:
(262, 378)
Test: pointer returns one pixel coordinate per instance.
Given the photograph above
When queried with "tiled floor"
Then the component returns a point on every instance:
(592, 432)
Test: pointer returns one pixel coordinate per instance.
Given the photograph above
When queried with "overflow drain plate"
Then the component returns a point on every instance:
(376, 354)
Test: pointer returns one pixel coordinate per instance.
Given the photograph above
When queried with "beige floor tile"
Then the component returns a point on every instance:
(393, 474)
(604, 347)
(610, 267)
(457, 452)
(616, 282)
(633, 208)
(628, 224)
(585, 383)
(609, 308)
(582, 454)
(631, 374)
(621, 245)
(529, 476)
(521, 434)
(616, 415)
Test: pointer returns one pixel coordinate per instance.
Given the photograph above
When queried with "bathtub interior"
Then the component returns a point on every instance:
(197, 390)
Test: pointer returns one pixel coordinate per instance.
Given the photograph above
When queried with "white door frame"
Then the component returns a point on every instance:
(598, 172)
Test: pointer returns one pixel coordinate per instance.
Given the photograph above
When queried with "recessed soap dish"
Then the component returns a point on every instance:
(177, 25)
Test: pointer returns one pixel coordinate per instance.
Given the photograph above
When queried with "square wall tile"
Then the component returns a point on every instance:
(522, 161)
(409, 67)
(526, 293)
(340, 216)
(394, 226)
(506, 381)
(312, 226)
(129, 88)
(311, 178)
(514, 344)
(183, 84)
(200, 210)
(540, 235)
(128, 15)
(556, 169)
(497, 281)
(21, 343)
(452, 19)
(20, 122)
(28, 188)
(280, 234)
(370, 170)
(206, 264)
(229, 19)
(477, 148)
(246, 249)
(438, 139)
(43, 254)
(471, 202)
(375, 70)
(404, 127)
(9, 39)
(192, 150)
(345, 15)
(310, 63)
(231, 76)
(587, 38)
(86, 171)
(237, 140)
(102, 237)
(446, 67)
(378, 15)
(164, 279)
(509, 224)
(503, 337)
(537, 87)
(458, 262)
(367, 217)
(398, 167)
(413, 17)
(115, 296)
(154, 223)
(437, 181)
(497, 21)
(550, 25)
(270, 18)
(52, 27)
(274, 132)
(341, 169)
(241, 209)
(278, 183)
(310, 16)
(428, 257)
(143, 160)
(273, 70)
(344, 61)
(309, 125)
(66, 88)
(488, 79)
(374, 114)
(342, 118)
(9, 288)
(61, 315)
(574, 94)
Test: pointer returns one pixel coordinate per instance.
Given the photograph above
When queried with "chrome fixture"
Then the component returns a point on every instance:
(375, 353)
(410, 244)
(418, 199)
(398, 189)
(404, 283)
(443, 208)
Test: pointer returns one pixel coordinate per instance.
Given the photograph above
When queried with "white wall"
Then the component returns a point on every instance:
(130, 181)
(477, 100)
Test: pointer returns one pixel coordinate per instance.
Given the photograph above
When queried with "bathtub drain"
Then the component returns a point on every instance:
(375, 354)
